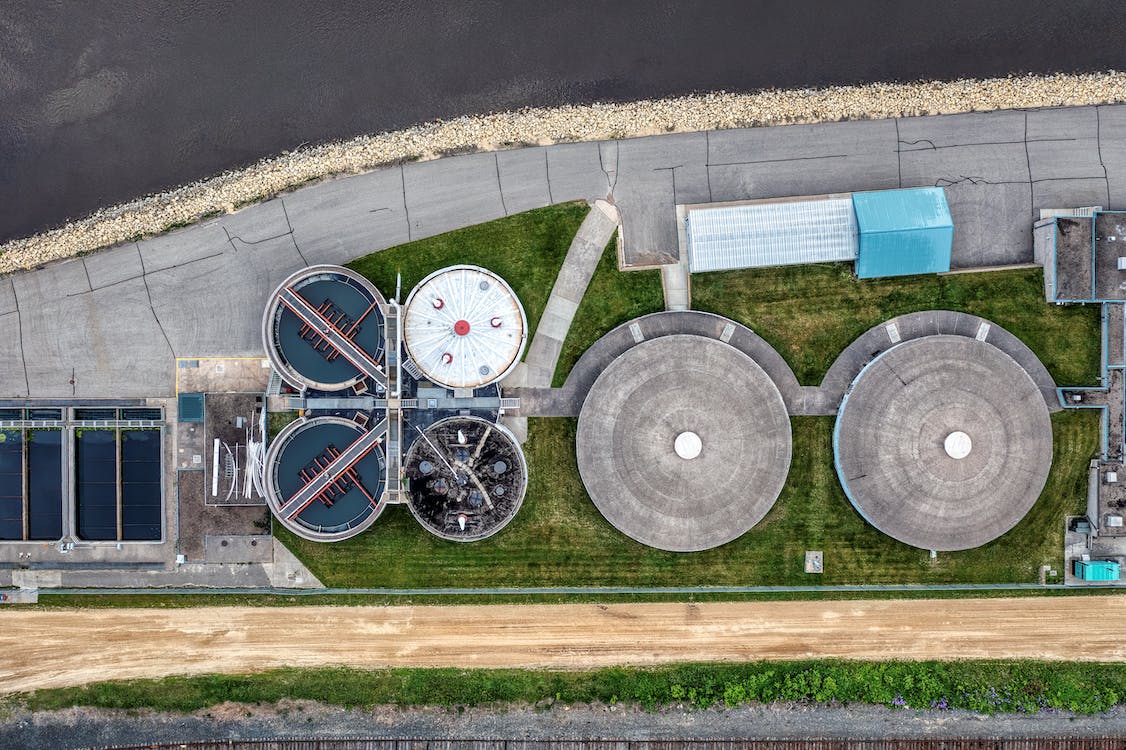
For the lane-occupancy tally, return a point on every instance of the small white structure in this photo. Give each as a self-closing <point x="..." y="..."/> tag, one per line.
<point x="688" y="445"/>
<point x="958" y="445"/>
<point x="464" y="327"/>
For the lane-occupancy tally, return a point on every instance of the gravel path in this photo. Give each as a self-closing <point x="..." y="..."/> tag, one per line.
<point x="713" y="111"/>
<point x="90" y="728"/>
<point x="89" y="645"/>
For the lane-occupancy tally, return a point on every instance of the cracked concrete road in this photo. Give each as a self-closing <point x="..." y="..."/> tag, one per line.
<point x="54" y="648"/>
<point x="109" y="324"/>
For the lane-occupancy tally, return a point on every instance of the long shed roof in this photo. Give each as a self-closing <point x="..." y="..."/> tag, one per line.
<point x="780" y="233"/>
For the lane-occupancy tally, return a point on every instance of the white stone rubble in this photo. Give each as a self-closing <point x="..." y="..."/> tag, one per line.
<point x="534" y="126"/>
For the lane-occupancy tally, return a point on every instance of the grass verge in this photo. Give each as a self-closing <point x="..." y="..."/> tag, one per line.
<point x="560" y="539"/>
<point x="810" y="313"/>
<point x="525" y="249"/>
<point x="191" y="599"/>
<point x="982" y="686"/>
<point x="276" y="421"/>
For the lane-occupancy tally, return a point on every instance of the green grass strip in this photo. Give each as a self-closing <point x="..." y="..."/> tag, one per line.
<point x="811" y="313"/>
<point x="560" y="539"/>
<point x="983" y="686"/>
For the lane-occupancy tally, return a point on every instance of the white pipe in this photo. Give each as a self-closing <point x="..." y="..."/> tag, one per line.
<point x="215" y="471"/>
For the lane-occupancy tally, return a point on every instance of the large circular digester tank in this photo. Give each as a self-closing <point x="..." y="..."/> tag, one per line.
<point x="943" y="442"/>
<point x="683" y="443"/>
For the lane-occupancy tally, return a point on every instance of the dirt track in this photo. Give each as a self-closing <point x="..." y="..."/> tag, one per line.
<point x="51" y="648"/>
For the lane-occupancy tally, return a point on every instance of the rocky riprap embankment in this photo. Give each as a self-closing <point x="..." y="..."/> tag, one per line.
<point x="230" y="190"/>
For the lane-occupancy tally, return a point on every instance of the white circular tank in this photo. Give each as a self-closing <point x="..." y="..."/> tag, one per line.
<point x="464" y="327"/>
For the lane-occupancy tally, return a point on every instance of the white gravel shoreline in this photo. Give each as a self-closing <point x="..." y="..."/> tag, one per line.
<point x="226" y="192"/>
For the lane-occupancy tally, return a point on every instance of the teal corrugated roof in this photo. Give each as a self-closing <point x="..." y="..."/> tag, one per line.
<point x="898" y="210"/>
<point x="1097" y="570"/>
<point x="903" y="232"/>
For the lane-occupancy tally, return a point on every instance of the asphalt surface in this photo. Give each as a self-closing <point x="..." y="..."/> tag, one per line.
<point x="109" y="324"/>
<point x="103" y="102"/>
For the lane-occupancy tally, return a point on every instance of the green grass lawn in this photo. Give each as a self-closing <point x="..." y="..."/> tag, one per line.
<point x="612" y="298"/>
<point x="526" y="250"/>
<point x="810" y="313"/>
<point x="559" y="538"/>
<point x="276" y="421"/>
<point x="170" y="600"/>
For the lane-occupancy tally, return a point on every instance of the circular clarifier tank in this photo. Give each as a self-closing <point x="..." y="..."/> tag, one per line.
<point x="467" y="478"/>
<point x="464" y="327"/>
<point x="323" y="330"/>
<point x="325" y="478"/>
<point x="943" y="442"/>
<point x="683" y="443"/>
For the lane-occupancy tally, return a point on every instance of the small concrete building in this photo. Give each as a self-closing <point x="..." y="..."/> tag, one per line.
<point x="1097" y="570"/>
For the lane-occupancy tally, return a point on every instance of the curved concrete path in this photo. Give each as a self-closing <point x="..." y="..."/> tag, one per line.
<point x="881" y="337"/>
<point x="110" y="324"/>
<point x="568" y="400"/>
<point x="823" y="400"/>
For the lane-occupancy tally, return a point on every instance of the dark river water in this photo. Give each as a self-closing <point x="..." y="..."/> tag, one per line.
<point x="105" y="101"/>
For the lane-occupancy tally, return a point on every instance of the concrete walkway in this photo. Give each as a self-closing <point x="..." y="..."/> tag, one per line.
<point x="883" y="336"/>
<point x="109" y="324"/>
<point x="676" y="283"/>
<point x="568" y="400"/>
<point x="570" y="285"/>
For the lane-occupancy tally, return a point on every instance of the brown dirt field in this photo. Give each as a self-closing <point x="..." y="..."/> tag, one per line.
<point x="69" y="647"/>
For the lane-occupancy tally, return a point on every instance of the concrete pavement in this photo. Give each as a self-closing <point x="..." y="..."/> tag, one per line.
<point x="110" y="323"/>
<point x="570" y="285"/>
